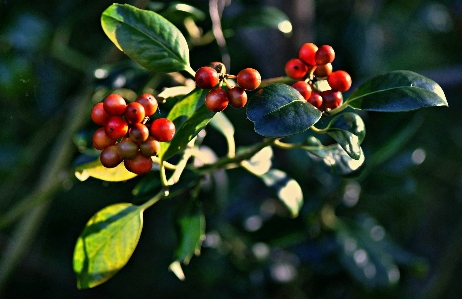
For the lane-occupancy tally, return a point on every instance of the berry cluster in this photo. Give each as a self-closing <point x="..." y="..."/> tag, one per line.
<point x="312" y="66"/>
<point x="124" y="134"/>
<point x="217" y="99"/>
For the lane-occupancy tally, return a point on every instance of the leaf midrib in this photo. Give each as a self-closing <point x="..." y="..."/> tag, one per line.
<point x="349" y="100"/>
<point x="177" y="57"/>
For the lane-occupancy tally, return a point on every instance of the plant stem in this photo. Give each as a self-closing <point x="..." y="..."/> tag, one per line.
<point x="270" y="81"/>
<point x="245" y="155"/>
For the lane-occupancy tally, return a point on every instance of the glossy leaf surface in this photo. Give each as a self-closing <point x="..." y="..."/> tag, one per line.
<point x="338" y="160"/>
<point x="107" y="243"/>
<point x="188" y="130"/>
<point x="279" y="110"/>
<point x="348" y="130"/>
<point x="397" y="91"/>
<point x="146" y="37"/>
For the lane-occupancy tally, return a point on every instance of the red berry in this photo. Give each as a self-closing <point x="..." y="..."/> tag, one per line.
<point x="307" y="52"/>
<point x="296" y="69"/>
<point x="110" y="157"/>
<point x="248" y="79"/>
<point x="207" y="77"/>
<point x="98" y="115"/>
<point x="237" y="97"/>
<point x="139" y="165"/>
<point x="127" y="148"/>
<point x="134" y="113"/>
<point x="149" y="103"/>
<point x="303" y="88"/>
<point x="150" y="147"/>
<point x="339" y="81"/>
<point x="162" y="129"/>
<point x="331" y="99"/>
<point x="315" y="99"/>
<point x="323" y="70"/>
<point x="324" y="55"/>
<point x="116" y="127"/>
<point x="114" y="104"/>
<point x="101" y="140"/>
<point x="216" y="100"/>
<point x="138" y="133"/>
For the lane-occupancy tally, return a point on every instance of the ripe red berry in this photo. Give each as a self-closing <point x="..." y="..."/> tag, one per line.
<point x="114" y="104"/>
<point x="217" y="100"/>
<point x="162" y="129"/>
<point x="296" y="69"/>
<point x="150" y="147"/>
<point x="323" y="70"/>
<point x="315" y="99"/>
<point x="237" y="97"/>
<point x="138" y="132"/>
<point x="110" y="157"/>
<point x="207" y="77"/>
<point x="101" y="140"/>
<point x="339" y="81"/>
<point x="139" y="165"/>
<point x="324" y="55"/>
<point x="98" y="115"/>
<point x="116" y="127"/>
<point x="127" y="148"/>
<point x="134" y="113"/>
<point x="248" y="79"/>
<point x="149" y="103"/>
<point x="307" y="52"/>
<point x="331" y="99"/>
<point x="303" y="88"/>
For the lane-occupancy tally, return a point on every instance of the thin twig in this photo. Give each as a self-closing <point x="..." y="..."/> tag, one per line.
<point x="215" y="16"/>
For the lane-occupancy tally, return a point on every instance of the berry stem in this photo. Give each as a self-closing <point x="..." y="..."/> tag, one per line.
<point x="320" y="131"/>
<point x="284" y="79"/>
<point x="228" y="162"/>
<point x="289" y="146"/>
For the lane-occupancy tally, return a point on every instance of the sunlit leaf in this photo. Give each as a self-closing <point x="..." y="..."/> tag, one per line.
<point x="146" y="37"/>
<point x="97" y="170"/>
<point x="285" y="188"/>
<point x="107" y="243"/>
<point x="397" y="91"/>
<point x="279" y="110"/>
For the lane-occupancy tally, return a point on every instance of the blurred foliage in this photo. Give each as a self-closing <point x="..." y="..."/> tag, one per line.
<point x="392" y="232"/>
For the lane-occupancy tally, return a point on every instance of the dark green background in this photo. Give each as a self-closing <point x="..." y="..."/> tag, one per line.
<point x="48" y="52"/>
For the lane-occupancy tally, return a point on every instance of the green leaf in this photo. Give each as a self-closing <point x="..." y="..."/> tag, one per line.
<point x="107" y="243"/>
<point x="338" y="160"/>
<point x="97" y="170"/>
<point x="285" y="188"/>
<point x="279" y="110"/>
<point x="146" y="37"/>
<point x="264" y="17"/>
<point x="188" y="130"/>
<point x="397" y="91"/>
<point x="190" y="229"/>
<point x="348" y="130"/>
